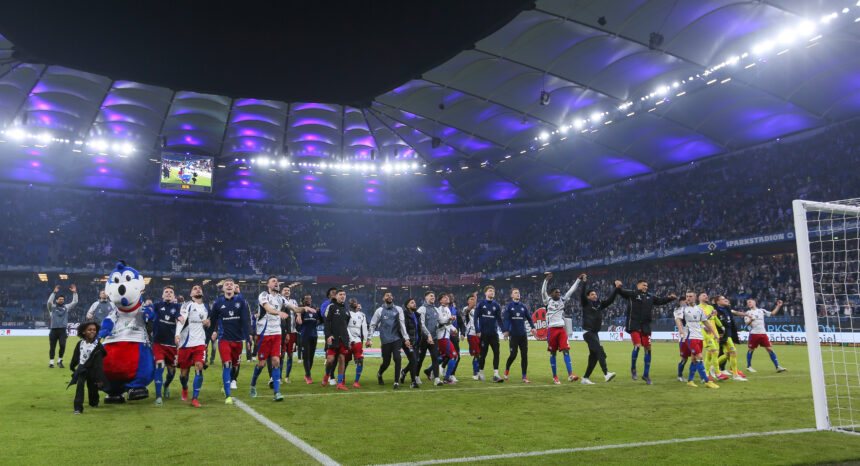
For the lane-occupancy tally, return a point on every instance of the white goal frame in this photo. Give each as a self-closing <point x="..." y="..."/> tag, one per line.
<point x="810" y="308"/>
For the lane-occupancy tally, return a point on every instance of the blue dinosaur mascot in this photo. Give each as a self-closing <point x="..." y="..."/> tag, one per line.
<point x="128" y="365"/>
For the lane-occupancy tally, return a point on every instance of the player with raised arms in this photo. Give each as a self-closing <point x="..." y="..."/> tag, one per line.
<point x="694" y="318"/>
<point x="556" y="338"/>
<point x="592" y="320"/>
<point x="639" y="315"/>
<point x="754" y="316"/>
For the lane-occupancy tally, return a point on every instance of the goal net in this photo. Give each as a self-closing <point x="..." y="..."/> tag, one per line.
<point x="828" y="252"/>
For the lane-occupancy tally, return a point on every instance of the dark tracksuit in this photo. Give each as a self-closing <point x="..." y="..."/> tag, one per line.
<point x="412" y="321"/>
<point x="515" y="317"/>
<point x="639" y="309"/>
<point x="488" y="321"/>
<point x="308" y="332"/>
<point x="592" y="320"/>
<point x="336" y="322"/>
<point x="731" y="330"/>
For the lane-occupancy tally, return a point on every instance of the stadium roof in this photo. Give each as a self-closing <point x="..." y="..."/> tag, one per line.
<point x="614" y="76"/>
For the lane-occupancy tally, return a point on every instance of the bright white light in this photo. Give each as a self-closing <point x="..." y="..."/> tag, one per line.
<point x="830" y="17"/>
<point x="386" y="168"/>
<point x="785" y="37"/>
<point x="563" y="129"/>
<point x="263" y="161"/>
<point x="127" y="148"/>
<point x="762" y="47"/>
<point x="544" y="135"/>
<point x="595" y="117"/>
<point x="578" y="124"/>
<point x="676" y="84"/>
<point x="660" y="90"/>
<point x="16" y="134"/>
<point x="845" y="10"/>
<point x="733" y="60"/>
<point x="99" y="145"/>
<point x="347" y="166"/>
<point x="415" y="165"/>
<point x="44" y="137"/>
<point x="252" y="161"/>
<point x="283" y="163"/>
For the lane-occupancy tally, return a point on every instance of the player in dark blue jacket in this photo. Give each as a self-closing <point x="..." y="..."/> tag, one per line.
<point x="488" y="322"/>
<point x="515" y="317"/>
<point x="307" y="322"/>
<point x="231" y="317"/>
<point x="164" y="341"/>
<point x="329" y="298"/>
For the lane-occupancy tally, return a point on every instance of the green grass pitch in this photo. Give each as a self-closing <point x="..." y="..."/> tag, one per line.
<point x="202" y="178"/>
<point x="377" y="425"/>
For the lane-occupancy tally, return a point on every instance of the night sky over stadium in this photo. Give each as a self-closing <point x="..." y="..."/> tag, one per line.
<point x="346" y="52"/>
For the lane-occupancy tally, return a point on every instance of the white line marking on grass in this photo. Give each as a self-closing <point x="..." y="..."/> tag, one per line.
<point x="494" y="387"/>
<point x="304" y="446"/>
<point x="601" y="447"/>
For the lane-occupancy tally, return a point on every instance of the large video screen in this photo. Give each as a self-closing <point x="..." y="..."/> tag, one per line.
<point x="185" y="172"/>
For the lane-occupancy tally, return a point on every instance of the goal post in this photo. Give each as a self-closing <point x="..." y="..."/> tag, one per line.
<point x="828" y="254"/>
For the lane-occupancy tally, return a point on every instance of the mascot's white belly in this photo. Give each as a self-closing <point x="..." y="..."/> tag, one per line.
<point x="128" y="326"/>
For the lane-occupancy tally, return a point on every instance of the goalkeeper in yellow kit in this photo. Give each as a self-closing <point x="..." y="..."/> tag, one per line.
<point x="711" y="349"/>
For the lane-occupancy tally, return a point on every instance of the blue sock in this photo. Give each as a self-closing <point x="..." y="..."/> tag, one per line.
<point x="198" y="382"/>
<point x="633" y="357"/>
<point x="451" y="365"/>
<point x="289" y="367"/>
<point x="749" y="358"/>
<point x="773" y="358"/>
<point x="257" y="370"/>
<point x="276" y="379"/>
<point x="340" y="378"/>
<point x="647" y="362"/>
<point x="475" y="366"/>
<point x="524" y="375"/>
<point x="184" y="382"/>
<point x="159" y="377"/>
<point x="170" y="376"/>
<point x="358" y="368"/>
<point x="225" y="376"/>
<point x="701" y="367"/>
<point x="681" y="368"/>
<point x="693" y="368"/>
<point x="552" y="364"/>
<point x="567" y="363"/>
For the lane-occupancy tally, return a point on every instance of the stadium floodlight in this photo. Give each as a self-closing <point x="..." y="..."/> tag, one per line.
<point x="563" y="129"/>
<point x="386" y="168"/>
<point x="127" y="148"/>
<point x="415" y="165"/>
<point x="828" y="241"/>
<point x="283" y="163"/>
<point x="827" y="18"/>
<point x="786" y="37"/>
<point x="596" y="117"/>
<point x="578" y="124"/>
<point x="16" y="134"/>
<point x="44" y="138"/>
<point x="544" y="135"/>
<point x="99" y="145"/>
<point x="806" y="28"/>
<point x="762" y="47"/>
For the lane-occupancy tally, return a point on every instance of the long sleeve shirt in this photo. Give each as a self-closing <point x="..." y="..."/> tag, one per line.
<point x="592" y="311"/>
<point x="445" y="324"/>
<point x="165" y="323"/>
<point x="231" y="318"/>
<point x="555" y="307"/>
<point x="99" y="310"/>
<point x="357" y="327"/>
<point x="516" y="316"/>
<point x="60" y="314"/>
<point x="639" y="309"/>
<point x="336" y="324"/>
<point x="488" y="317"/>
<point x="189" y="324"/>
<point x="390" y="322"/>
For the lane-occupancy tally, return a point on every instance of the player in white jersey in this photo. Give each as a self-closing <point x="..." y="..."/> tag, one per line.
<point x="471" y="335"/>
<point x="556" y="336"/>
<point x="269" y="317"/>
<point x="688" y="301"/>
<point x="191" y="341"/>
<point x="358" y="333"/>
<point x="694" y="319"/>
<point x="754" y="317"/>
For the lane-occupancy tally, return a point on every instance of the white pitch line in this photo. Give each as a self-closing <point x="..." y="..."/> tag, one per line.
<point x="301" y="444"/>
<point x="494" y="387"/>
<point x="600" y="447"/>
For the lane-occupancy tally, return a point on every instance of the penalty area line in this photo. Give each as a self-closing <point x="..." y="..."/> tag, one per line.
<point x="601" y="447"/>
<point x="301" y="444"/>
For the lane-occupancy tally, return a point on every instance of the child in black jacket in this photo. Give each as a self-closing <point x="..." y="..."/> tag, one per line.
<point x="86" y="366"/>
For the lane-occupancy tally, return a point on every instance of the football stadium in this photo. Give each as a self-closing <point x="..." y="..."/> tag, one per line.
<point x="555" y="232"/>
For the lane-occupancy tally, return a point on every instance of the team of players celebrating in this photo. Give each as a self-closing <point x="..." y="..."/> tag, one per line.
<point x="183" y="329"/>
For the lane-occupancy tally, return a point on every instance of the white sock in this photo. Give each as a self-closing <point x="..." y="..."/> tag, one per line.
<point x="52" y="361"/>
<point x="60" y="360"/>
<point x="496" y="372"/>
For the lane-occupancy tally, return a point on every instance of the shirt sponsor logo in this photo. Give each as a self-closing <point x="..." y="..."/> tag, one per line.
<point x="541" y="329"/>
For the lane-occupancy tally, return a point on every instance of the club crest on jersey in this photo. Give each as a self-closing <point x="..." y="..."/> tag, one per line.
<point x="236" y="305"/>
<point x="231" y="313"/>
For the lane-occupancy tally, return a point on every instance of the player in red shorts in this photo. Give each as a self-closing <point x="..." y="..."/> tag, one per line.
<point x="444" y="333"/>
<point x="357" y="334"/>
<point x="269" y="317"/>
<point x="557" y="337"/>
<point x="164" y="341"/>
<point x="690" y="297"/>
<point x="758" y="334"/>
<point x="336" y="321"/>
<point x="471" y="337"/>
<point x="694" y="318"/>
<point x="191" y="341"/>
<point x="231" y="318"/>
<point x="288" y="332"/>
<point x="639" y="309"/>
